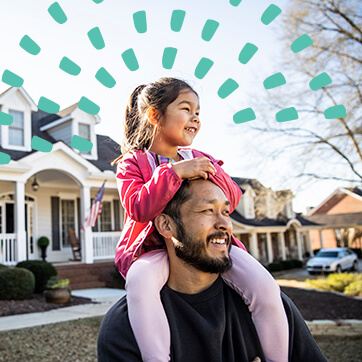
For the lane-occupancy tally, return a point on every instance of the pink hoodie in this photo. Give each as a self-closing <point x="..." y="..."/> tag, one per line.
<point x="144" y="195"/>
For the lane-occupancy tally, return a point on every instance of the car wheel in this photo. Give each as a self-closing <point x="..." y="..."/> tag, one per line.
<point x="338" y="269"/>
<point x="355" y="266"/>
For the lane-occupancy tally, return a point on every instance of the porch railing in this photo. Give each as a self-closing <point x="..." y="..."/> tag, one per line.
<point x="8" y="249"/>
<point x="104" y="244"/>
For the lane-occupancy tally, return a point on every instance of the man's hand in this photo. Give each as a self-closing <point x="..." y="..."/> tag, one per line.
<point x="198" y="167"/>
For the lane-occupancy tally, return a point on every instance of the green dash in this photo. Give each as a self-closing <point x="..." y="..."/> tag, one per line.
<point x="247" y="53"/>
<point x="81" y="144"/>
<point x="270" y="14"/>
<point x="97" y="1"/>
<point x="320" y="81"/>
<point x="4" y="158"/>
<point x="69" y="66"/>
<point x="338" y="111"/>
<point x="209" y="29"/>
<point x="47" y="105"/>
<point x="235" y="2"/>
<point x="6" y="119"/>
<point x="96" y="38"/>
<point x="57" y="13"/>
<point x="140" y="22"/>
<point x="41" y="145"/>
<point x="29" y="45"/>
<point x="301" y="43"/>
<point x="274" y="81"/>
<point x="168" y="58"/>
<point x="12" y="79"/>
<point x="177" y="19"/>
<point x="245" y="115"/>
<point x="88" y="106"/>
<point x="227" y="88"/>
<point x="105" y="78"/>
<point x="129" y="58"/>
<point x="203" y="67"/>
<point x="287" y="114"/>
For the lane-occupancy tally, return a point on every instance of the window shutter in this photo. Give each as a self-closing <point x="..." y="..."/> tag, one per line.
<point x="117" y="215"/>
<point x="55" y="223"/>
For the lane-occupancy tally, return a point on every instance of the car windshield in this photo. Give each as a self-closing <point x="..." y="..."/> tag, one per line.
<point x="327" y="254"/>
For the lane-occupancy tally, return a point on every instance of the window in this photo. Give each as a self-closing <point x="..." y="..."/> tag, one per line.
<point x="16" y="129"/>
<point x="84" y="131"/>
<point x="68" y="217"/>
<point x="105" y="218"/>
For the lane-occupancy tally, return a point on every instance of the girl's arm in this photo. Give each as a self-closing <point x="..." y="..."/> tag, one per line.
<point x="142" y="200"/>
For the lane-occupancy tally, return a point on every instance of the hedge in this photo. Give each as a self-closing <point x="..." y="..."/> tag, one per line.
<point x="16" y="283"/>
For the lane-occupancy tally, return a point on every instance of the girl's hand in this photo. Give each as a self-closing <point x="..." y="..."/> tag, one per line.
<point x="198" y="167"/>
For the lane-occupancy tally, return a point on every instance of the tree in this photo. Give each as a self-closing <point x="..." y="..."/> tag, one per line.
<point x="320" y="148"/>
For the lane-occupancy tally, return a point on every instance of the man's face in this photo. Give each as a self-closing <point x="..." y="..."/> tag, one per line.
<point x="205" y="229"/>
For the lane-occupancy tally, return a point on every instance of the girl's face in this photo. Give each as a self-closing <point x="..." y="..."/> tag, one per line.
<point x="180" y="123"/>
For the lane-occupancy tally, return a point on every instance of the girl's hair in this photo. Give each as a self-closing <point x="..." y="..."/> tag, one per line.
<point x="138" y="131"/>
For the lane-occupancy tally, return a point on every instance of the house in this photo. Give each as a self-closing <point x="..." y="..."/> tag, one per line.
<point x="340" y="217"/>
<point x="49" y="193"/>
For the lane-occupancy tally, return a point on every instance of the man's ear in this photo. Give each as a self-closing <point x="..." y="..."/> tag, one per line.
<point x="164" y="225"/>
<point x="153" y="115"/>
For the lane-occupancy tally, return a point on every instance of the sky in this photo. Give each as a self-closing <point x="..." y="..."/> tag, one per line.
<point x="238" y="25"/>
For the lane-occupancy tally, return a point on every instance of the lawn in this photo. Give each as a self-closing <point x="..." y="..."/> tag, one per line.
<point x="76" y="341"/>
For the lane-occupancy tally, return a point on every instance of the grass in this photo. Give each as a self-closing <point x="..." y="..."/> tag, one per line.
<point x="77" y="341"/>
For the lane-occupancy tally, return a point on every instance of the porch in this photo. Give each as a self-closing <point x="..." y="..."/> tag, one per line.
<point x="96" y="246"/>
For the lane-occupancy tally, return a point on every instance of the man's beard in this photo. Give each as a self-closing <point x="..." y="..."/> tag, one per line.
<point x="193" y="252"/>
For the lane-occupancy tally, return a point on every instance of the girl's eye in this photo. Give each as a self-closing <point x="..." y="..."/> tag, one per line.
<point x="186" y="109"/>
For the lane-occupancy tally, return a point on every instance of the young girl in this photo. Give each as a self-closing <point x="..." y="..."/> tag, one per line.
<point x="161" y="117"/>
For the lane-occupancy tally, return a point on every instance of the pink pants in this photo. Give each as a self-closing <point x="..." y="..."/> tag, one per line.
<point x="149" y="273"/>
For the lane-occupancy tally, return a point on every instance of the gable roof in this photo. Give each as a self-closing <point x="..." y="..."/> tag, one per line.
<point x="337" y="220"/>
<point x="255" y="184"/>
<point x="337" y="196"/>
<point x="235" y="215"/>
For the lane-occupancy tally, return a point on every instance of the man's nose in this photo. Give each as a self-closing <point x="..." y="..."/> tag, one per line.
<point x="223" y="223"/>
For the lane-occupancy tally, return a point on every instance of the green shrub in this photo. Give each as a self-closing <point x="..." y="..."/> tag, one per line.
<point x="287" y="264"/>
<point x="355" y="288"/>
<point x="41" y="270"/>
<point x="336" y="282"/>
<point x="43" y="241"/>
<point x="16" y="283"/>
<point x="358" y="251"/>
<point x="2" y="266"/>
<point x="297" y="263"/>
<point x="273" y="267"/>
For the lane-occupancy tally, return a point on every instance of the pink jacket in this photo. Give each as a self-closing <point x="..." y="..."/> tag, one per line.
<point x="144" y="195"/>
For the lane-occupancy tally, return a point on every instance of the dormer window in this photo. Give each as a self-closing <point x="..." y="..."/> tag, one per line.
<point x="16" y="129"/>
<point x="84" y="131"/>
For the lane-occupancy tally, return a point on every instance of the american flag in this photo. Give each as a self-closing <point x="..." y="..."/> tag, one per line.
<point x="95" y="210"/>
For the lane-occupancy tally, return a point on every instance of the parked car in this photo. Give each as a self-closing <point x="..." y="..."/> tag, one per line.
<point x="333" y="260"/>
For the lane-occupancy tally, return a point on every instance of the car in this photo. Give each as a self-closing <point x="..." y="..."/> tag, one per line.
<point x="332" y="260"/>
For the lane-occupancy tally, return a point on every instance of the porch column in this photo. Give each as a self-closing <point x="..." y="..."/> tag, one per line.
<point x="20" y="221"/>
<point x="299" y="245"/>
<point x="309" y="241"/>
<point x="282" y="242"/>
<point x="270" y="247"/>
<point x="321" y="238"/>
<point x="254" y="245"/>
<point x="87" y="241"/>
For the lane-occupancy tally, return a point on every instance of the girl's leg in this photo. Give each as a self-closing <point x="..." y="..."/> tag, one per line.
<point x="261" y="293"/>
<point x="145" y="278"/>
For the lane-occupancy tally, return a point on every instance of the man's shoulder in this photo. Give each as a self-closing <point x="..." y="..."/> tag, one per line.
<point x="116" y="331"/>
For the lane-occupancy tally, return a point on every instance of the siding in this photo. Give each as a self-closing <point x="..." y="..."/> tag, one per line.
<point x="62" y="132"/>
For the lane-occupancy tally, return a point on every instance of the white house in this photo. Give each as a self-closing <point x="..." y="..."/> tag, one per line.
<point x="48" y="193"/>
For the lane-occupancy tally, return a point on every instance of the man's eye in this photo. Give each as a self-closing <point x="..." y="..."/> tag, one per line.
<point x="208" y="210"/>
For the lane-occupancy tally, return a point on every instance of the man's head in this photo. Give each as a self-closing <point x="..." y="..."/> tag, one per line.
<point x="198" y="223"/>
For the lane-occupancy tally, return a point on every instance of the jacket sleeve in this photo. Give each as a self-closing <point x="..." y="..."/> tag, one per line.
<point x="230" y="188"/>
<point x="144" y="200"/>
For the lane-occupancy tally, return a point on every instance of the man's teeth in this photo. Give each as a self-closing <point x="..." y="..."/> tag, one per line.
<point x="218" y="241"/>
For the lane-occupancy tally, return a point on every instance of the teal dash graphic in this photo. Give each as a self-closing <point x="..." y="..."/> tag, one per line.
<point x="105" y="78"/>
<point x="203" y="67"/>
<point x="140" y="21"/>
<point x="338" y="111"/>
<point x="177" y="20"/>
<point x="270" y="14"/>
<point x="168" y="58"/>
<point x="57" y="13"/>
<point x="29" y="45"/>
<point x="47" y="105"/>
<point x="287" y="114"/>
<point x="41" y="145"/>
<point x="4" y="158"/>
<point x="86" y="105"/>
<point x="69" y="66"/>
<point x="247" y="53"/>
<point x="12" y="79"/>
<point x="209" y="29"/>
<point x="301" y="43"/>
<point x="6" y="119"/>
<point x="95" y="36"/>
<point x="320" y="81"/>
<point x="129" y="58"/>
<point x="229" y="86"/>
<point x="245" y="115"/>
<point x="81" y="144"/>
<point x="274" y="81"/>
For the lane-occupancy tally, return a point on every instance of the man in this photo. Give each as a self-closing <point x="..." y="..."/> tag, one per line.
<point x="208" y="320"/>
